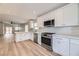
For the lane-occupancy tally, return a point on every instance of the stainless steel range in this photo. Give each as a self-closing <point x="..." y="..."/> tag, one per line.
<point x="46" y="40"/>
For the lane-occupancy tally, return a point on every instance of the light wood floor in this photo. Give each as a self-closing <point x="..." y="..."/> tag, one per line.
<point x="23" y="48"/>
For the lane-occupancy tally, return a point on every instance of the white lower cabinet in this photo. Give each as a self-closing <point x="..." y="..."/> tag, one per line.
<point x="74" y="47"/>
<point x="61" y="45"/>
<point x="65" y="46"/>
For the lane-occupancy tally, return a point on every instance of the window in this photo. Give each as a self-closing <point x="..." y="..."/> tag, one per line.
<point x="26" y="28"/>
<point x="31" y="24"/>
<point x="36" y="26"/>
<point x="18" y="28"/>
<point x="8" y="30"/>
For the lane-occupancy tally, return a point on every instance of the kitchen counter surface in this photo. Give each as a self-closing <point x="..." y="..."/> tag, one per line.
<point x="71" y="35"/>
<point x="20" y="32"/>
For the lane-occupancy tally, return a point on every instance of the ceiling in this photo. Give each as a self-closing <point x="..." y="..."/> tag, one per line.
<point x="22" y="12"/>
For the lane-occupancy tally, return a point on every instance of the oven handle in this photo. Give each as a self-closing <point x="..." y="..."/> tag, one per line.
<point x="47" y="37"/>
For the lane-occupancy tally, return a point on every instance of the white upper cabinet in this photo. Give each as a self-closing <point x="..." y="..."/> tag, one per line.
<point x="70" y="14"/>
<point x="59" y="17"/>
<point x="52" y="15"/>
<point x="48" y="16"/>
<point x="40" y="21"/>
<point x="67" y="15"/>
<point x="64" y="16"/>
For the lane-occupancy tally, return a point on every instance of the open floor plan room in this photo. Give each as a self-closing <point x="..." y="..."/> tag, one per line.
<point x="39" y="29"/>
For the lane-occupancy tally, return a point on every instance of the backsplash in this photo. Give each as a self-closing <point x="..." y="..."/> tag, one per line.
<point x="63" y="30"/>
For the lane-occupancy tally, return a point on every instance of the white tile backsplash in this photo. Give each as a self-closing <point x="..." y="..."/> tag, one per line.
<point x="63" y="30"/>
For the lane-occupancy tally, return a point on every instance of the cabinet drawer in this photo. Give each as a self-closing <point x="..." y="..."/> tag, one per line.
<point x="74" y="41"/>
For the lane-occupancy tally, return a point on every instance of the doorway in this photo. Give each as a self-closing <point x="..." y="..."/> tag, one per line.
<point x="8" y="30"/>
<point x="8" y="36"/>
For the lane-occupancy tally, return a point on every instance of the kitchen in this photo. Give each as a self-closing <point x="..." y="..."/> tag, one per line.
<point x="66" y="29"/>
<point x="56" y="30"/>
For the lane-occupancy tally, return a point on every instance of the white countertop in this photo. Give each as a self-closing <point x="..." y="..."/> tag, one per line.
<point x="70" y="35"/>
<point x="20" y="32"/>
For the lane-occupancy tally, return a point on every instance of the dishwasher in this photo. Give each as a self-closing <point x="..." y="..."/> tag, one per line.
<point x="36" y="38"/>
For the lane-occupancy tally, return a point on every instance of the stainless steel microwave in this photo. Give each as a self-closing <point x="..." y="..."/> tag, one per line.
<point x="49" y="23"/>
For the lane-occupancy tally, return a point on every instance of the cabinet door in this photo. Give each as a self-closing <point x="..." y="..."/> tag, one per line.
<point x="70" y="14"/>
<point x="40" y="22"/>
<point x="59" y="17"/>
<point x="56" y="45"/>
<point x="64" y="46"/>
<point x="47" y="17"/>
<point x="52" y="15"/>
<point x="61" y="46"/>
<point x="74" y="47"/>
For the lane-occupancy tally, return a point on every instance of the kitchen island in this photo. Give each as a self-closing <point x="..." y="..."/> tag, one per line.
<point x="21" y="36"/>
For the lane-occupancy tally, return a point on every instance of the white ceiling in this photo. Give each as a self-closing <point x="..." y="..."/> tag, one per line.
<point x="22" y="12"/>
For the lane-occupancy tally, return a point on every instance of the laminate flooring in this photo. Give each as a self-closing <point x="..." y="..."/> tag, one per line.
<point x="8" y="47"/>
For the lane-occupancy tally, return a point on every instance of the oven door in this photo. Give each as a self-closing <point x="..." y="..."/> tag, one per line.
<point x="46" y="40"/>
<point x="46" y="43"/>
